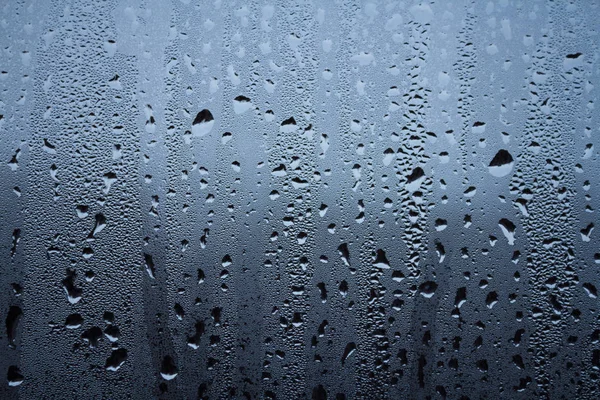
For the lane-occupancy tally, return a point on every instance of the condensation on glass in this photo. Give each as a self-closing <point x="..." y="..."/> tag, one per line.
<point x="296" y="199"/>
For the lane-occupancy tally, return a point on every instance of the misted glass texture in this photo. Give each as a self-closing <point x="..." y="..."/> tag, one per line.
<point x="299" y="199"/>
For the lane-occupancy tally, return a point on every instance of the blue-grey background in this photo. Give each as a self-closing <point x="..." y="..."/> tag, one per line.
<point x="299" y="199"/>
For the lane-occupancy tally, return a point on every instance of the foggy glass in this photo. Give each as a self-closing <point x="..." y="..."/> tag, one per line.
<point x="294" y="199"/>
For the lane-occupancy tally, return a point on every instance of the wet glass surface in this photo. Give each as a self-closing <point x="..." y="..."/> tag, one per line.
<point x="299" y="199"/>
